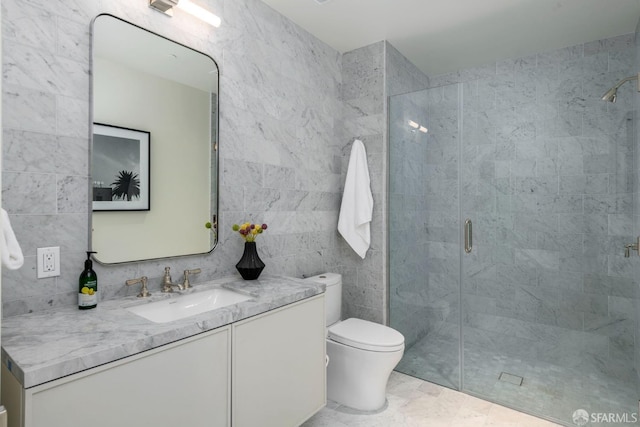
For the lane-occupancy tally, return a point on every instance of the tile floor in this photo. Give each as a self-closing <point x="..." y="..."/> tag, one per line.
<point x="416" y="403"/>
<point x="582" y="382"/>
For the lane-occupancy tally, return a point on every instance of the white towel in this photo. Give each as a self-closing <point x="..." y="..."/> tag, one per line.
<point x="9" y="247"/>
<point x="354" y="222"/>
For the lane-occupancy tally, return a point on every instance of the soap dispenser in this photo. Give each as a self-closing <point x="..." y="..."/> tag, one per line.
<point x="88" y="286"/>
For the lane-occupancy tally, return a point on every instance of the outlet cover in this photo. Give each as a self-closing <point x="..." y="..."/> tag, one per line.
<point x="48" y="262"/>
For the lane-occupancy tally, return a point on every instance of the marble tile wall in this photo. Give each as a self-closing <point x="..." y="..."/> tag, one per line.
<point x="281" y="157"/>
<point x="370" y="75"/>
<point x="547" y="177"/>
<point x="363" y="95"/>
<point x="401" y="76"/>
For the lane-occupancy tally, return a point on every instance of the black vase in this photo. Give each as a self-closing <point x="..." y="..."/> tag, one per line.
<point x="250" y="265"/>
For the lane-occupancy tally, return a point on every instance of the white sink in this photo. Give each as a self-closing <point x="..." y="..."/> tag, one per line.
<point x="188" y="305"/>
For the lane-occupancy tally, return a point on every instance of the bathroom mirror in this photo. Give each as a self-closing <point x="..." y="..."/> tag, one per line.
<point x="154" y="162"/>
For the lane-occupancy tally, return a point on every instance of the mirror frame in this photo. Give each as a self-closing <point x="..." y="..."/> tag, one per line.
<point x="213" y="143"/>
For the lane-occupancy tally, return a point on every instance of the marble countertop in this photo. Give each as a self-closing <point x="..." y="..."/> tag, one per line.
<point x="44" y="346"/>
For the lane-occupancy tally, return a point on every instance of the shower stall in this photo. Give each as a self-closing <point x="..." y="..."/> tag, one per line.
<point x="508" y="221"/>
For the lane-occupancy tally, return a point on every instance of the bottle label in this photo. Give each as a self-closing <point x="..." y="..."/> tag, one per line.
<point x="88" y="295"/>
<point x="85" y="300"/>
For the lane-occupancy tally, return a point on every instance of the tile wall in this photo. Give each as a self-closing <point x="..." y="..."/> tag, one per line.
<point x="547" y="174"/>
<point x="370" y="75"/>
<point x="281" y="153"/>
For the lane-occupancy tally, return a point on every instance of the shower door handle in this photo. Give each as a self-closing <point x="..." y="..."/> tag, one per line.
<point x="468" y="236"/>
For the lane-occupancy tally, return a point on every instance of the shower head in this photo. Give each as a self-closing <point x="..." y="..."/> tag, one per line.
<point x="612" y="94"/>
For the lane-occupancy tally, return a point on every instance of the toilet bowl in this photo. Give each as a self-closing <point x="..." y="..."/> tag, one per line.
<point x="362" y="354"/>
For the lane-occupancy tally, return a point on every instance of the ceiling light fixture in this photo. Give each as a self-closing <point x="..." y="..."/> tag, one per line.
<point x="413" y="124"/>
<point x="166" y="7"/>
<point x="423" y="129"/>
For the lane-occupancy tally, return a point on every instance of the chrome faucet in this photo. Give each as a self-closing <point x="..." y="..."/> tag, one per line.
<point x="144" y="292"/>
<point x="167" y="285"/>
<point x="185" y="282"/>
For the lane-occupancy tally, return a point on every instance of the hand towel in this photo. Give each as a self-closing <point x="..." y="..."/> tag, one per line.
<point x="354" y="222"/>
<point x="9" y="248"/>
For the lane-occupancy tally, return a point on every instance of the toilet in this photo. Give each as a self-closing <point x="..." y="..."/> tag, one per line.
<point x="361" y="354"/>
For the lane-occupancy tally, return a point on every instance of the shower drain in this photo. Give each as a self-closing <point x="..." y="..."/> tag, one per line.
<point x="510" y="378"/>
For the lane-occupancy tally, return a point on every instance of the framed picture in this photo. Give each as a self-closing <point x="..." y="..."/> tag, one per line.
<point x="120" y="169"/>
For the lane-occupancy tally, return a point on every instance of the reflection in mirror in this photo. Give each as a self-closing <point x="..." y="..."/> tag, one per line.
<point x="146" y="86"/>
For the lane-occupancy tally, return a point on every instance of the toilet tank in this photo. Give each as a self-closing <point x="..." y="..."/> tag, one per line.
<point x="333" y="295"/>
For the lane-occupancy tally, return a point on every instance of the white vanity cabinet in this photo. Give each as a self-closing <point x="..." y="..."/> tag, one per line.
<point x="278" y="362"/>
<point x="266" y="370"/>
<point x="185" y="383"/>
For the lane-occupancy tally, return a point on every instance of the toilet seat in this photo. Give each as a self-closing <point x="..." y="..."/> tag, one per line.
<point x="366" y="335"/>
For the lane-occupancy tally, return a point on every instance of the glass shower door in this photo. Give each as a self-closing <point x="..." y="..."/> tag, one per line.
<point x="424" y="231"/>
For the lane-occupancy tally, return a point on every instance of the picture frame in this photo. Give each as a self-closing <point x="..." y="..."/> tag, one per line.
<point x="120" y="168"/>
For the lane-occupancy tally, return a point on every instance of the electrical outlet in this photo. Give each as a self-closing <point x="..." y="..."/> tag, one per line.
<point x="48" y="262"/>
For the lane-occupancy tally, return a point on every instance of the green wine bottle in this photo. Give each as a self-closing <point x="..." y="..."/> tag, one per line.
<point x="88" y="286"/>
